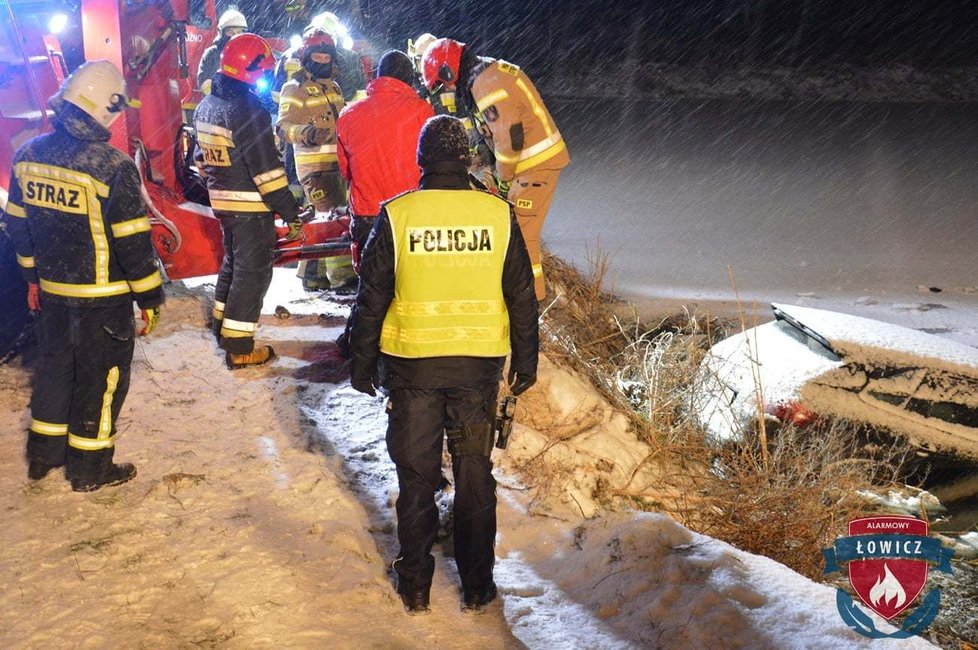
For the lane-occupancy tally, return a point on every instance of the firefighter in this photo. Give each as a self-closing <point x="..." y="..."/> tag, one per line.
<point x="309" y="106"/>
<point x="82" y="237"/>
<point x="231" y="23"/>
<point x="349" y="68"/>
<point x="247" y="186"/>
<point x="513" y="120"/>
<point x="446" y="293"/>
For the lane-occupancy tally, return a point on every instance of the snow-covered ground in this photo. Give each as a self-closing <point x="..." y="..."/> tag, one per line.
<point x="262" y="518"/>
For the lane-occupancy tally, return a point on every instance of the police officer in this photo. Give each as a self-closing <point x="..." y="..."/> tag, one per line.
<point x="443" y="319"/>
<point x="309" y="106"/>
<point x="231" y="23"/>
<point x="247" y="186"/>
<point x="81" y="232"/>
<point x="528" y="149"/>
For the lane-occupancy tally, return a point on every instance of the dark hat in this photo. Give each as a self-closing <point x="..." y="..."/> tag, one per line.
<point x="396" y="64"/>
<point x="443" y="139"/>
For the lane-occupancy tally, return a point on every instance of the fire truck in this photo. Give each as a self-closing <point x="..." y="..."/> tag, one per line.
<point x="158" y="45"/>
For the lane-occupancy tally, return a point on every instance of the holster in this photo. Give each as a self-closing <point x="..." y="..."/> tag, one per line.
<point x="471" y="441"/>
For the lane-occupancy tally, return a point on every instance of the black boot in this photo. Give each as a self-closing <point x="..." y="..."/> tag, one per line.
<point x="112" y="475"/>
<point x="415" y="601"/>
<point x="37" y="471"/>
<point x="476" y="600"/>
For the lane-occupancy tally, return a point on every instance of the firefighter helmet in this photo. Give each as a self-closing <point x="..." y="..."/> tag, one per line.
<point x="316" y="37"/>
<point x="417" y="47"/>
<point x="327" y="22"/>
<point x="232" y="18"/>
<point x="246" y="58"/>
<point x="441" y="63"/>
<point x="98" y="88"/>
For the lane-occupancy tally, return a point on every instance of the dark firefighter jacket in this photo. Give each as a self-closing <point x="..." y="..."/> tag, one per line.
<point x="210" y="62"/>
<point x="236" y="153"/>
<point x="78" y="220"/>
<point x="377" y="269"/>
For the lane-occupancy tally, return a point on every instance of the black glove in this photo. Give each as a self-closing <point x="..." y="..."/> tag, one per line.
<point x="312" y="135"/>
<point x="365" y="386"/>
<point x="519" y="382"/>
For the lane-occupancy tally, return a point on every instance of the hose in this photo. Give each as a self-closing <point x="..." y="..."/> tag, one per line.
<point x="156" y="216"/>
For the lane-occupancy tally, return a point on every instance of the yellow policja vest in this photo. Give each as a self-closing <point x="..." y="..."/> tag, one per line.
<point x="449" y="249"/>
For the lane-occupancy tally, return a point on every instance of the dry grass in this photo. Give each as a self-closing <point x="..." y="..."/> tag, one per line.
<point x="785" y="494"/>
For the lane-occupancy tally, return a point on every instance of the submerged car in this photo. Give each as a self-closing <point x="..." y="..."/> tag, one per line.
<point x="810" y="363"/>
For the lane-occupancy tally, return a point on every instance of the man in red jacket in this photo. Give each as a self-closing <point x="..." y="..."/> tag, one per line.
<point x="377" y="143"/>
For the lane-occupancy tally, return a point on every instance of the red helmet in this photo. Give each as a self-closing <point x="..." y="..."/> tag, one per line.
<point x="441" y="62"/>
<point x="247" y="57"/>
<point x="316" y="37"/>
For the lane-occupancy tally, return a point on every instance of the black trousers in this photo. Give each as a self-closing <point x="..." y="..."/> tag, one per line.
<point x="416" y="430"/>
<point x="245" y="274"/>
<point x="80" y="385"/>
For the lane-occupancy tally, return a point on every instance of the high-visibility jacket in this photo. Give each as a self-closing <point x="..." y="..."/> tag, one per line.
<point x="236" y="152"/>
<point x="448" y="289"/>
<point x="305" y="102"/>
<point x="77" y="218"/>
<point x="515" y="121"/>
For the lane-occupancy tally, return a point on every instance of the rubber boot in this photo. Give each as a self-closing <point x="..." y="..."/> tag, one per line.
<point x="37" y="471"/>
<point x="260" y="355"/>
<point x="475" y="601"/>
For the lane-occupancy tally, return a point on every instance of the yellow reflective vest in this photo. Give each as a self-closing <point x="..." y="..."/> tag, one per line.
<point x="449" y="250"/>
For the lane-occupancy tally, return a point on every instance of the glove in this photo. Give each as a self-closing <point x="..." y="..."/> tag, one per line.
<point x="33" y="296"/>
<point x="503" y="187"/>
<point x="312" y="135"/>
<point x="295" y="230"/>
<point x="519" y="383"/>
<point x="150" y="318"/>
<point x="365" y="386"/>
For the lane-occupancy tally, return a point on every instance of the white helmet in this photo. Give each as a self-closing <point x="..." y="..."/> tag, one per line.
<point x="231" y="18"/>
<point x="329" y="23"/>
<point x="98" y="88"/>
<point x="417" y="47"/>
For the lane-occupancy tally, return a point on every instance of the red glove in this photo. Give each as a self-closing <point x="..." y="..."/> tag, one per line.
<point x="33" y="296"/>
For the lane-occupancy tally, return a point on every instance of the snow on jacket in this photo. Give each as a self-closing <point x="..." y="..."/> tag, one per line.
<point x="236" y="151"/>
<point x="305" y="102"/>
<point x="377" y="139"/>
<point x="377" y="269"/>
<point x="514" y="120"/>
<point x="77" y="218"/>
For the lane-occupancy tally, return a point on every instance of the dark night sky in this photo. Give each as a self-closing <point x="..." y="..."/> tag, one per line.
<point x="923" y="33"/>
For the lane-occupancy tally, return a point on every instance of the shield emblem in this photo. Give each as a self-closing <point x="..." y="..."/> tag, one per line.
<point x="887" y="585"/>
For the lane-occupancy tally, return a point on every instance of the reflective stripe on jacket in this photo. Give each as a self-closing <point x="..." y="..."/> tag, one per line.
<point x="77" y="218"/>
<point x="518" y="126"/>
<point x="236" y="150"/>
<point x="306" y="102"/>
<point x="449" y="251"/>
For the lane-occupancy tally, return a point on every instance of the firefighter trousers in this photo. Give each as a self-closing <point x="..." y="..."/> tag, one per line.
<point x="532" y="192"/>
<point x="245" y="274"/>
<point x="82" y="378"/>
<point x="418" y="419"/>
<point x="326" y="190"/>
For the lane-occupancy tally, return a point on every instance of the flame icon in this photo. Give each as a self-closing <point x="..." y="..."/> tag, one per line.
<point x="887" y="588"/>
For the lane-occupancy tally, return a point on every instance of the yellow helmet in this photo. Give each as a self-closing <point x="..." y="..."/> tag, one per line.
<point x="98" y="88"/>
